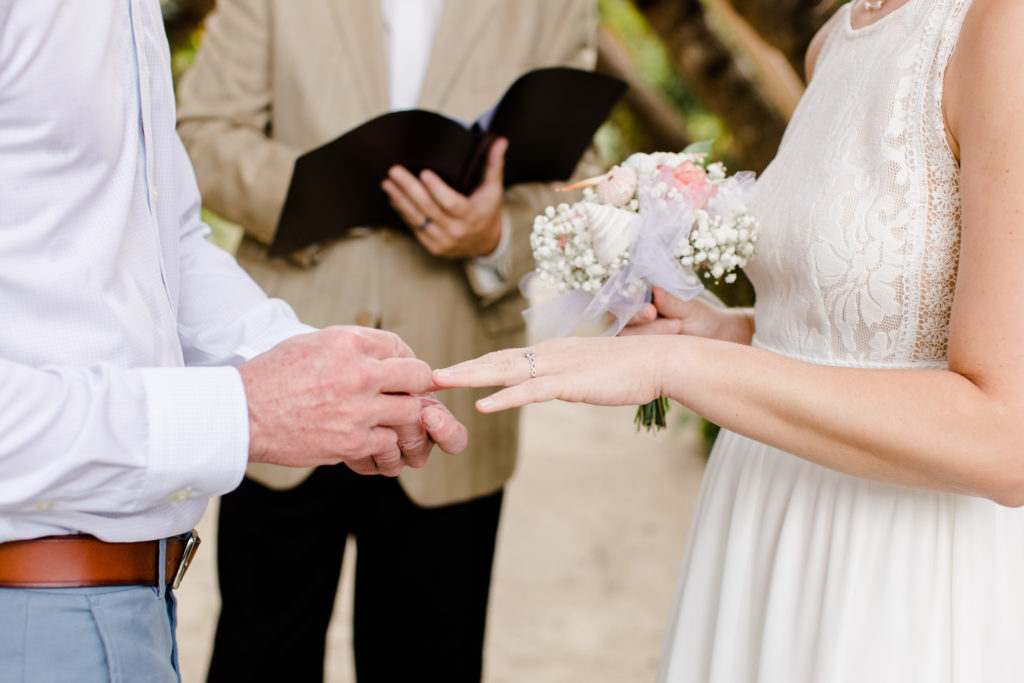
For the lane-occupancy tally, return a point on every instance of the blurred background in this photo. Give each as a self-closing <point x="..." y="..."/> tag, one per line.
<point x="730" y="71"/>
<point x="583" y="580"/>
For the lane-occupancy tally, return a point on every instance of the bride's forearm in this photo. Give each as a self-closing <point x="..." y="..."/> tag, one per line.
<point x="931" y="429"/>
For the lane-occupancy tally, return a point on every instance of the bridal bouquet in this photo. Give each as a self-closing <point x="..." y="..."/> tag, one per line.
<point x="669" y="220"/>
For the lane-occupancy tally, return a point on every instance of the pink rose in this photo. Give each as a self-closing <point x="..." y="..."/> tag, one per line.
<point x="689" y="179"/>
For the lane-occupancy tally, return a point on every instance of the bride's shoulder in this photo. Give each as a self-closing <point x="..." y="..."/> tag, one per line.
<point x="991" y="28"/>
<point x="983" y="66"/>
<point x="814" y="48"/>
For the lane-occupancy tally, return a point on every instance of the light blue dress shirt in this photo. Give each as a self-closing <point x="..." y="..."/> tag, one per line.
<point x="109" y="288"/>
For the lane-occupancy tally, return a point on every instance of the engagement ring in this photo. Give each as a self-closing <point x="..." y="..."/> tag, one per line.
<point x="424" y="224"/>
<point x="533" y="363"/>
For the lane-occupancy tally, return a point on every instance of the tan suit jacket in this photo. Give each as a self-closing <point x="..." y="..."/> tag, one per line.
<point x="275" y="78"/>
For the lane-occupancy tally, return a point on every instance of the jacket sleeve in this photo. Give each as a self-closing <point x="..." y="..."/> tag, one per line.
<point x="568" y="38"/>
<point x="224" y="113"/>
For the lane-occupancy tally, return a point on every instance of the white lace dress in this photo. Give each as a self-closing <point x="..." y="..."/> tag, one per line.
<point x="795" y="573"/>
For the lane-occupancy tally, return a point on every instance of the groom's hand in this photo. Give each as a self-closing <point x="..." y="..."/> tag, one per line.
<point x="344" y="394"/>
<point x="436" y="426"/>
<point x="447" y="223"/>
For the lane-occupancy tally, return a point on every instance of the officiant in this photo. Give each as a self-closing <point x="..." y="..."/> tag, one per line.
<point x="272" y="80"/>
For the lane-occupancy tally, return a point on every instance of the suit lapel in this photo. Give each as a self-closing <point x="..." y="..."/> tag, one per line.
<point x="361" y="32"/>
<point x="462" y="23"/>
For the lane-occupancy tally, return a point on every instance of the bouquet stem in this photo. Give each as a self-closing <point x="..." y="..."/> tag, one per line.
<point x="652" y="415"/>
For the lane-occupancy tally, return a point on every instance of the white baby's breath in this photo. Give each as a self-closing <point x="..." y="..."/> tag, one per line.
<point x="575" y="250"/>
<point x="617" y="231"/>
<point x="719" y="245"/>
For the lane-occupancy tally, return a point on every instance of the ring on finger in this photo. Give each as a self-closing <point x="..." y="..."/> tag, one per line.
<point x="425" y="224"/>
<point x="528" y="353"/>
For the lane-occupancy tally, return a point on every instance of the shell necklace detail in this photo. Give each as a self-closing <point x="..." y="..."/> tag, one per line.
<point x="874" y="5"/>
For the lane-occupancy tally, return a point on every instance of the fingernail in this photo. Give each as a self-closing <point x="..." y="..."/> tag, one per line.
<point x="442" y="373"/>
<point x="485" y="402"/>
<point x="432" y="420"/>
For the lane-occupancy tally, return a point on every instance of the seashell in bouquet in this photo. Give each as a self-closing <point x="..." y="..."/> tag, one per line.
<point x="662" y="219"/>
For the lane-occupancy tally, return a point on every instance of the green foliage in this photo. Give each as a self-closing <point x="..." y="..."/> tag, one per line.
<point x="648" y="52"/>
<point x="183" y="54"/>
<point x="224" y="233"/>
<point x="622" y="135"/>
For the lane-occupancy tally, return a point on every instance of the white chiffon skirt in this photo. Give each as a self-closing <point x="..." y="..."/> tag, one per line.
<point x="794" y="573"/>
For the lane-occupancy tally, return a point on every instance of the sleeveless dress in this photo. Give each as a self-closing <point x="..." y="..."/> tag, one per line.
<point x="794" y="573"/>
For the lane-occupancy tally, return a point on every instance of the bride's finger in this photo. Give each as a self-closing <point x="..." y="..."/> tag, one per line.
<point x="536" y="391"/>
<point x="498" y="368"/>
<point x="673" y="307"/>
<point x="647" y="313"/>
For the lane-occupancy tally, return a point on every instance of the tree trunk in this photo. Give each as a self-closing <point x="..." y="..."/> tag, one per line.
<point x="709" y="66"/>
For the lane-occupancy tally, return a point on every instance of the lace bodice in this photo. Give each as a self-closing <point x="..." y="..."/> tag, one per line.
<point x="858" y="253"/>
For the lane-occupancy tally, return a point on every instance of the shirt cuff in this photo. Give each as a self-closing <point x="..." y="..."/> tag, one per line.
<point x="489" y="273"/>
<point x="198" y="432"/>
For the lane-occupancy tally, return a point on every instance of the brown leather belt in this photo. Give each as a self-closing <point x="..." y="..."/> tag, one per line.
<point x="80" y="561"/>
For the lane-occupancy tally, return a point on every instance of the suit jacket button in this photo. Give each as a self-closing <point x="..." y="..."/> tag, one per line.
<point x="364" y="319"/>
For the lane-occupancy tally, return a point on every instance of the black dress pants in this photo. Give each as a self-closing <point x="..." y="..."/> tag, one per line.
<point x="422" y="580"/>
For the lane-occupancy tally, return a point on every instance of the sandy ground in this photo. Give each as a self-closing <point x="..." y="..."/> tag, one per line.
<point x="592" y="532"/>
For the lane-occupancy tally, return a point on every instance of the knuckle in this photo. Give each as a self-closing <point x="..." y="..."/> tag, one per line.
<point x="359" y="378"/>
<point x="387" y="459"/>
<point x="358" y="442"/>
<point x="343" y="340"/>
<point x="413" y="443"/>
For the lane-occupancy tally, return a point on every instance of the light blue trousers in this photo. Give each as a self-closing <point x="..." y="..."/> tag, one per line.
<point x="88" y="635"/>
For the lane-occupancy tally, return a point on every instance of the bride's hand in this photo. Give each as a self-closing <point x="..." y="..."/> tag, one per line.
<point x="597" y="370"/>
<point x="697" y="317"/>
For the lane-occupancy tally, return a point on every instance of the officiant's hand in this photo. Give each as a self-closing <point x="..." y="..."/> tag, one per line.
<point x="345" y="394"/>
<point x="698" y="317"/>
<point x="448" y="223"/>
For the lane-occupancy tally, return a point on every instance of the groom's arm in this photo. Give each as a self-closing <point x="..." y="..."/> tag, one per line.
<point x="351" y="395"/>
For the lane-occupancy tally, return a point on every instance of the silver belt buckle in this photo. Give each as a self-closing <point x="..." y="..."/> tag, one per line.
<point x="191" y="545"/>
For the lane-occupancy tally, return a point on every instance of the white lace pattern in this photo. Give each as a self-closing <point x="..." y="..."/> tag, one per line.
<point x="858" y="256"/>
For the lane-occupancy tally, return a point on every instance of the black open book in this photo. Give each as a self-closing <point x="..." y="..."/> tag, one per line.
<point x="549" y="117"/>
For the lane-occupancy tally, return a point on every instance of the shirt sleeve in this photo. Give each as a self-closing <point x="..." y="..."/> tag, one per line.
<point x="117" y="440"/>
<point x="224" y="318"/>
<point x="488" y="274"/>
<point x="126" y="440"/>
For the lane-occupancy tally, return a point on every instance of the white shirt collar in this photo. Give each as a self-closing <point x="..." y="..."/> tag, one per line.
<point x="409" y="30"/>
